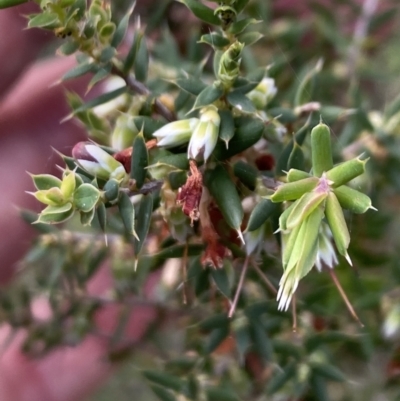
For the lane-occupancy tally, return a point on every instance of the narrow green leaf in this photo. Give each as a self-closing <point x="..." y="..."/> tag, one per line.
<point x="80" y="70"/>
<point x="328" y="371"/>
<point x="162" y="394"/>
<point x="227" y="126"/>
<point x="202" y="12"/>
<point x="248" y="131"/>
<point x="305" y="88"/>
<point x="215" y="40"/>
<point x="122" y="27"/>
<point x="241" y="102"/>
<point x="101" y="99"/>
<point x="127" y="212"/>
<point x="221" y="280"/>
<point x="246" y="173"/>
<point x="191" y="85"/>
<point x="139" y="161"/>
<point x="101" y="74"/>
<point x="102" y="216"/>
<point x="281" y="378"/>
<point x="220" y="394"/>
<point x="352" y="200"/>
<point x="68" y="48"/>
<point x="260" y="214"/>
<point x="248" y="83"/>
<point x="224" y="191"/>
<point x="163" y="379"/>
<point x="296" y="158"/>
<point x="296" y="175"/>
<point x="239" y="26"/>
<point x="143" y="221"/>
<point x="141" y="65"/>
<point x="11" y="3"/>
<point x="216" y="337"/>
<point x="131" y="56"/>
<point x="249" y="38"/>
<point x="207" y="96"/>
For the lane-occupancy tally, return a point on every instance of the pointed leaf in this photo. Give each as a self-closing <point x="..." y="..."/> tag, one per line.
<point x="139" y="161"/>
<point x="260" y="214"/>
<point x="127" y="212"/>
<point x="122" y="27"/>
<point x="80" y="70"/>
<point x="44" y="20"/>
<point x="227" y="126"/>
<point x="86" y="197"/>
<point x="191" y="85"/>
<point x="207" y="96"/>
<point x="215" y="40"/>
<point x="143" y="221"/>
<point x="45" y="181"/>
<point x="162" y="393"/>
<point x="141" y="65"/>
<point x="241" y="102"/>
<point x="202" y="12"/>
<point x="220" y="278"/>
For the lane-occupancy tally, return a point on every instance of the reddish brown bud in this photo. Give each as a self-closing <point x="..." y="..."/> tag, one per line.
<point x="124" y="157"/>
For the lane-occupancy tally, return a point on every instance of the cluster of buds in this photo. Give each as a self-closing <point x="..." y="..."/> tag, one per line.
<point x="201" y="133"/>
<point x="229" y="64"/>
<point x="322" y="195"/>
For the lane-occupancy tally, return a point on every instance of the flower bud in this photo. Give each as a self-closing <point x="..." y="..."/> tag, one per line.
<point x="124" y="132"/>
<point x="98" y="162"/>
<point x="175" y="133"/>
<point x="229" y="64"/>
<point x="262" y="94"/>
<point x="326" y="254"/>
<point x="205" y="134"/>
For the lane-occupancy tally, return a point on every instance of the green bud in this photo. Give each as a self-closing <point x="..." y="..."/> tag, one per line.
<point x="68" y="184"/>
<point x="124" y="132"/>
<point x="262" y="94"/>
<point x="229" y="64"/>
<point x="345" y="172"/>
<point x="337" y="224"/>
<point x="296" y="175"/>
<point x="175" y="133"/>
<point x="321" y="149"/>
<point x="294" y="190"/>
<point x="353" y="200"/>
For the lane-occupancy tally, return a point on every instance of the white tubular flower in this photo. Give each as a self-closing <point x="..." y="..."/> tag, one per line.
<point x="124" y="133"/>
<point x="263" y="93"/>
<point x="175" y="133"/>
<point x="98" y="162"/>
<point x="326" y="254"/>
<point x="205" y="134"/>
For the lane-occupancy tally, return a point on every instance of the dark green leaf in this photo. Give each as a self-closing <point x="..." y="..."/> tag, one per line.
<point x="247" y="132"/>
<point x="11" y="3"/>
<point x="227" y="126"/>
<point x="283" y="115"/>
<point x="87" y="217"/>
<point x="328" y="371"/>
<point x="248" y="38"/>
<point x="281" y="378"/>
<point x="296" y="158"/>
<point x="239" y="26"/>
<point x="139" y="161"/>
<point x="141" y="65"/>
<point x="191" y="85"/>
<point x="224" y="191"/>
<point x="306" y="86"/>
<point x="202" y="12"/>
<point x="216" y="321"/>
<point x="143" y="221"/>
<point x="122" y="27"/>
<point x="241" y="102"/>
<point x="111" y="189"/>
<point x="216" y="337"/>
<point x="215" y="40"/>
<point x="239" y="5"/>
<point x="80" y="70"/>
<point x="261" y="340"/>
<point x="261" y="213"/>
<point x="107" y="54"/>
<point x="127" y="212"/>
<point x="68" y="48"/>
<point x="162" y="394"/>
<point x="101" y="99"/>
<point x="163" y="379"/>
<point x="221" y="280"/>
<point x="207" y="96"/>
<point x="86" y="197"/>
<point x="219" y="394"/>
<point x="131" y="57"/>
<point x="246" y="173"/>
<point x="102" y="216"/>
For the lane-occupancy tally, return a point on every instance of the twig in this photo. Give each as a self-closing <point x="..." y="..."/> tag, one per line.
<point x="142" y="89"/>
<point x="294" y="313"/>
<point x="344" y="296"/>
<point x="264" y="278"/>
<point x="239" y="287"/>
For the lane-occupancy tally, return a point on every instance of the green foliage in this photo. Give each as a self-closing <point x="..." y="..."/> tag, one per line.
<point x="189" y="149"/>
